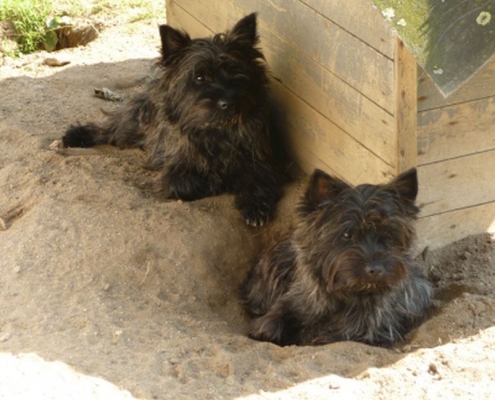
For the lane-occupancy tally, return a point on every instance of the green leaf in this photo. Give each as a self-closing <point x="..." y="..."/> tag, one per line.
<point x="51" y="40"/>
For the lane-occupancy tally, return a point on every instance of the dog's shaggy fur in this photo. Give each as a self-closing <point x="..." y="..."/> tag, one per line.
<point x="203" y="121"/>
<point x="346" y="272"/>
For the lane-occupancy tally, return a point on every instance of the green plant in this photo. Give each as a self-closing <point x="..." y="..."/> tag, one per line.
<point x="29" y="19"/>
<point x="36" y="21"/>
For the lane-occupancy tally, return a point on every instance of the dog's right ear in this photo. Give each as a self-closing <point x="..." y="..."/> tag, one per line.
<point x="172" y="41"/>
<point x="406" y="185"/>
<point x="245" y="31"/>
<point x="321" y="189"/>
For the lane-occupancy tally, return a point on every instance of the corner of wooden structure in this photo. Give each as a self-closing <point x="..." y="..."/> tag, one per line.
<point x="406" y="69"/>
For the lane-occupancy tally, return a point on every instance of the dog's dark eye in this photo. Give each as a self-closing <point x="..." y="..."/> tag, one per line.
<point x="347" y="236"/>
<point x="200" y="78"/>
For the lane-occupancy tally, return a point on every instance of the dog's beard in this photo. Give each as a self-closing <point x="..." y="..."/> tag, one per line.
<point x="345" y="272"/>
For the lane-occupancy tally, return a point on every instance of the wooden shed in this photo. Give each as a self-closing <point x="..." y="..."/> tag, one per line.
<point x="359" y="106"/>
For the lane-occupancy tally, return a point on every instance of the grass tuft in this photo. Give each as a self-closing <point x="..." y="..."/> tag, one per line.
<point x="31" y="18"/>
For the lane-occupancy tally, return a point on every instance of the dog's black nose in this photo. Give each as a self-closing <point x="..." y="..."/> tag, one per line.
<point x="374" y="270"/>
<point x="224" y="104"/>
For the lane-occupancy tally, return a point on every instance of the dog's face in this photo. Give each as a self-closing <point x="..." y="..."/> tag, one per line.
<point x="357" y="239"/>
<point x="215" y="82"/>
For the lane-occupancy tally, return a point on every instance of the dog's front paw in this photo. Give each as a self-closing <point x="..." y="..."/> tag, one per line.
<point x="266" y="329"/>
<point x="185" y="187"/>
<point x="256" y="210"/>
<point x="81" y="136"/>
<point x="255" y="214"/>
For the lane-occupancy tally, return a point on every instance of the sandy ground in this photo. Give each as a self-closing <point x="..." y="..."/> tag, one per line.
<point x="108" y="292"/>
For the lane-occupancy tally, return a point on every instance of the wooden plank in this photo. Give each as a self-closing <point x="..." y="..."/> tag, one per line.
<point x="318" y="143"/>
<point x="361" y="19"/>
<point x="481" y="85"/>
<point x="354" y="62"/>
<point x="180" y="19"/>
<point x="441" y="229"/>
<point x="457" y="183"/>
<point x="407" y="111"/>
<point x="454" y="131"/>
<point x="346" y="107"/>
<point x="340" y="103"/>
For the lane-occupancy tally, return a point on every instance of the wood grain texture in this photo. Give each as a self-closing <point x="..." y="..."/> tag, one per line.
<point x="457" y="183"/>
<point x="350" y="59"/>
<point x="318" y="143"/>
<point x="439" y="230"/>
<point x="407" y="111"/>
<point x="455" y="131"/>
<point x="354" y="113"/>
<point x="361" y="19"/>
<point x="179" y="19"/>
<point x="481" y="85"/>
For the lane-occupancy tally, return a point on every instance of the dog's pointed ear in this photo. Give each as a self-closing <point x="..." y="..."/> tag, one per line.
<point x="245" y="31"/>
<point x="172" y="41"/>
<point x="405" y="185"/>
<point x="321" y="189"/>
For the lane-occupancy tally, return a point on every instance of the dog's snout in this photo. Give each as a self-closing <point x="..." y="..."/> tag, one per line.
<point x="375" y="269"/>
<point x="224" y="104"/>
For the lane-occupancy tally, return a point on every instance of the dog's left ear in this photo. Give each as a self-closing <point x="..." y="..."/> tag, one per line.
<point x="406" y="185"/>
<point x="245" y="31"/>
<point x="321" y="189"/>
<point x="172" y="41"/>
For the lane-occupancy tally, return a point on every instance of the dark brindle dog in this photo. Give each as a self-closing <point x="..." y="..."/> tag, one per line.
<point x="203" y="120"/>
<point x="346" y="272"/>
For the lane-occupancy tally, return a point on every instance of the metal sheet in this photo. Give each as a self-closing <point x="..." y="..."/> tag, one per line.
<point x="451" y="39"/>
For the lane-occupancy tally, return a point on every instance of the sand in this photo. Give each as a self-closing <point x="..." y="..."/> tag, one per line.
<point x="109" y="292"/>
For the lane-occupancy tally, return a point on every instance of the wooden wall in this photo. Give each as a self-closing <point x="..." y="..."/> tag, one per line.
<point x="456" y="158"/>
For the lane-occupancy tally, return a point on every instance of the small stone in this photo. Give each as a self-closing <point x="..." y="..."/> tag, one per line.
<point x="17" y="269"/>
<point x="56" y="62"/>
<point x="4" y="337"/>
<point x="3" y="226"/>
<point x="432" y="369"/>
<point x="56" y="144"/>
<point x="107" y="94"/>
<point x="106" y="287"/>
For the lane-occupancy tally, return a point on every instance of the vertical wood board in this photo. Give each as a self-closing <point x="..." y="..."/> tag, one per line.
<point x="407" y="112"/>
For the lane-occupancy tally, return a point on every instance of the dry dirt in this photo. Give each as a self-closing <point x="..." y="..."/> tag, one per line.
<point x="107" y="292"/>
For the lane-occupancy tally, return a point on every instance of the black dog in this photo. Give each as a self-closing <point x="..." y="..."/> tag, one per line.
<point x="346" y="272"/>
<point x="204" y="121"/>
